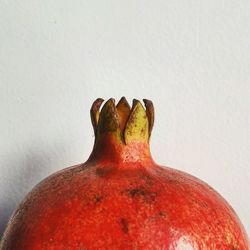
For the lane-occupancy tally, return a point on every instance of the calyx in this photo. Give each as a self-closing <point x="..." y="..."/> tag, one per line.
<point x="126" y="123"/>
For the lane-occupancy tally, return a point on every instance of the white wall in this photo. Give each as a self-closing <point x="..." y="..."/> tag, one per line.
<point x="192" y="58"/>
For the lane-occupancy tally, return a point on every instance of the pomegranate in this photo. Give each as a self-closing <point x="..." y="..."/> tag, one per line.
<point x="121" y="199"/>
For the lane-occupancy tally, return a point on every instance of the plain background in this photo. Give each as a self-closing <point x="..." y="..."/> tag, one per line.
<point x="192" y="58"/>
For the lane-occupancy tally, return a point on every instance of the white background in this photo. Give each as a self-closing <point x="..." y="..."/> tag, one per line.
<point x="192" y="58"/>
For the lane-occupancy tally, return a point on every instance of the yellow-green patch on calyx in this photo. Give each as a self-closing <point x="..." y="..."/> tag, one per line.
<point x="137" y="124"/>
<point x="125" y="123"/>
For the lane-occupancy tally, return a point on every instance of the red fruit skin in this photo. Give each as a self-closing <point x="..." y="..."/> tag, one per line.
<point x="121" y="199"/>
<point x="118" y="201"/>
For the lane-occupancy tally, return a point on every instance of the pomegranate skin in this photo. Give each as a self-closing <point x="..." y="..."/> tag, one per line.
<point x="121" y="199"/>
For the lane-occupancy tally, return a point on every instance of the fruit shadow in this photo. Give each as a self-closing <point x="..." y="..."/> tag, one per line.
<point x="25" y="171"/>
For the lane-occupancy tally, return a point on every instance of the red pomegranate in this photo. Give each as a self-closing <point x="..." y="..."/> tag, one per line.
<point x="121" y="199"/>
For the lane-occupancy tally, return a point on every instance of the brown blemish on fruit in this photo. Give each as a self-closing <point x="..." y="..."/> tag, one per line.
<point x="162" y="214"/>
<point x="124" y="225"/>
<point x="103" y="171"/>
<point x="98" y="198"/>
<point x="148" y="197"/>
<point x="136" y="192"/>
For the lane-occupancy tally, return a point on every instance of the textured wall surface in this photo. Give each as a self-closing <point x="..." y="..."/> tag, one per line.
<point x="192" y="58"/>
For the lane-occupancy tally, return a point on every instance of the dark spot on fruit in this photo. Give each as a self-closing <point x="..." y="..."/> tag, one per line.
<point x="98" y="198"/>
<point x="124" y="224"/>
<point x="136" y="192"/>
<point x="148" y="197"/>
<point x="162" y="214"/>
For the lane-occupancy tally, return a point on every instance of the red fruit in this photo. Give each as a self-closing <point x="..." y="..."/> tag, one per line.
<point x="121" y="199"/>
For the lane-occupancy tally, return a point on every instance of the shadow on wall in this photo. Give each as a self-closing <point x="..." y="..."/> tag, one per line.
<point x="23" y="174"/>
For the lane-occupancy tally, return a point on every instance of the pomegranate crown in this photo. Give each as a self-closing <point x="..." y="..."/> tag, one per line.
<point x="126" y="123"/>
